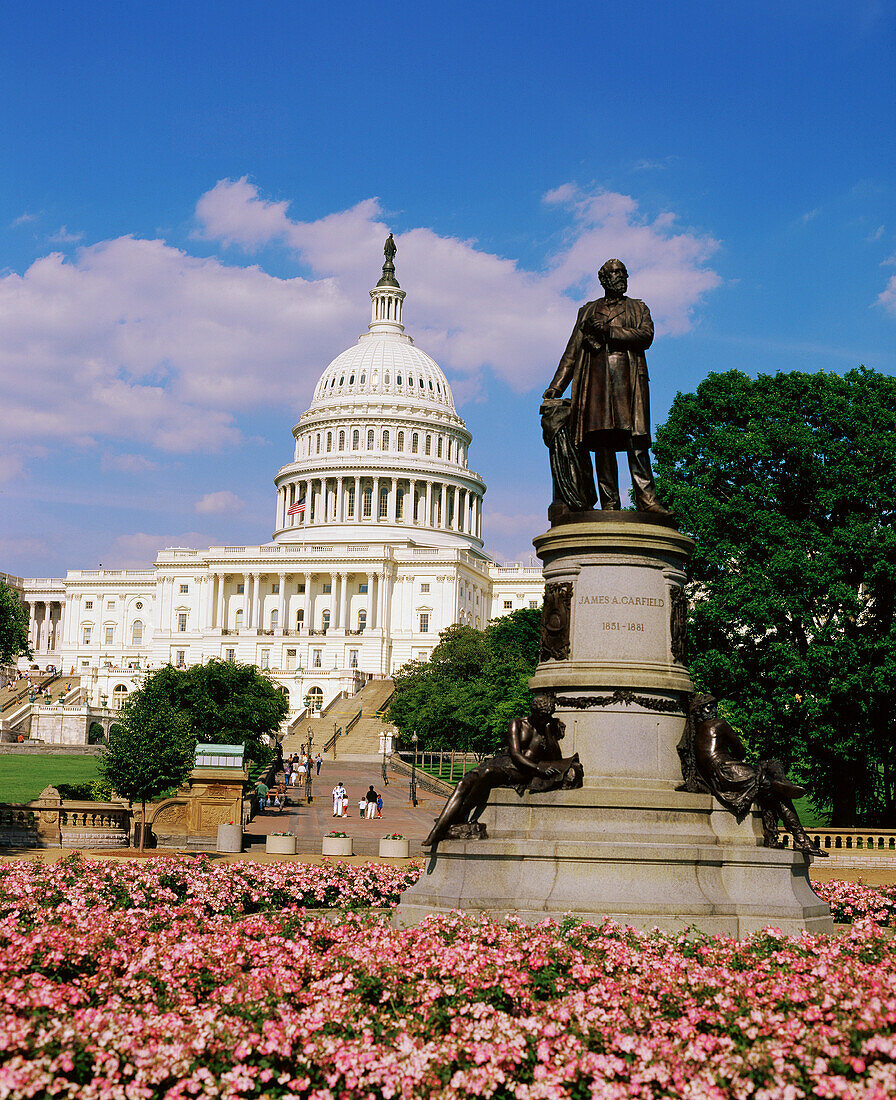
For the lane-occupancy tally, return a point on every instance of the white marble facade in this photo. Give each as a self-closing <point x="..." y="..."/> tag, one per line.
<point x="377" y="546"/>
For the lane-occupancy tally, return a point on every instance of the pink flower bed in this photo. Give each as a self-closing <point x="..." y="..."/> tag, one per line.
<point x="853" y="901"/>
<point x="110" y="988"/>
<point x="230" y="889"/>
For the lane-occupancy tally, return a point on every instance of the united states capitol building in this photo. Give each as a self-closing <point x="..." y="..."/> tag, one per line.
<point x="377" y="546"/>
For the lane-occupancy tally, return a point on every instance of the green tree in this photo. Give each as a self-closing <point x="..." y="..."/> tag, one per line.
<point x="150" y="750"/>
<point x="472" y="685"/>
<point x="225" y="703"/>
<point x="13" y="626"/>
<point x="788" y="485"/>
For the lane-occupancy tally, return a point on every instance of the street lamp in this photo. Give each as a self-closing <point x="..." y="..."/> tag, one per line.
<point x="385" y="777"/>
<point x="414" y="770"/>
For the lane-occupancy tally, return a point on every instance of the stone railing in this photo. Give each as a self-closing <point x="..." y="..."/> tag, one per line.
<point x="49" y="822"/>
<point x="879" y="841"/>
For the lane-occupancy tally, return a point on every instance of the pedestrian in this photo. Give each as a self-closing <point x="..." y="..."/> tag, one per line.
<point x="339" y="795"/>
<point x="261" y="793"/>
<point x="370" y="799"/>
<point x="362" y="806"/>
<point x="379" y="805"/>
<point x="318" y="760"/>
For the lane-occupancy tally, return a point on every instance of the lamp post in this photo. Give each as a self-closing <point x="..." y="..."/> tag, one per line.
<point x="414" y="770"/>
<point x="385" y="777"/>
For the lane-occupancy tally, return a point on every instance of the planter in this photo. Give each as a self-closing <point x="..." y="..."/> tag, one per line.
<point x="280" y="845"/>
<point x="395" y="849"/>
<point x="337" y="846"/>
<point x="230" y="838"/>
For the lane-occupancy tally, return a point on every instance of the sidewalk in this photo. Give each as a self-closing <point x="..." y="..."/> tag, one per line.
<point x="311" y="823"/>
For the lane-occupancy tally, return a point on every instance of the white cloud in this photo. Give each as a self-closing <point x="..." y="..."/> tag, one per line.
<point x="219" y="503"/>
<point x="63" y="236"/>
<point x="128" y="464"/>
<point x="510" y="535"/>
<point x="140" y="549"/>
<point x="23" y="219"/>
<point x="135" y="340"/>
<point x="887" y="297"/>
<point x="470" y="308"/>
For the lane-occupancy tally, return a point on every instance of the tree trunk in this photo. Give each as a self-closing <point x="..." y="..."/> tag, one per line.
<point x="142" y="827"/>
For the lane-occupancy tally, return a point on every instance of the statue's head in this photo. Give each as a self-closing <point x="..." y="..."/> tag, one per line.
<point x="704" y="707"/>
<point x="614" y="277"/>
<point x="544" y="702"/>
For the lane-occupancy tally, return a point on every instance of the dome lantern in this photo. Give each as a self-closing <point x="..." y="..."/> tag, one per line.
<point x="386" y="297"/>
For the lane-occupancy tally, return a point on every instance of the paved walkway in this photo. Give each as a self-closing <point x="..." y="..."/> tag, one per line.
<point x="311" y="823"/>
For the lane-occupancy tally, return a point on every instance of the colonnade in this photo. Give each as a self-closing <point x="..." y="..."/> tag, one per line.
<point x="412" y="502"/>
<point x="44" y="625"/>
<point x="217" y="592"/>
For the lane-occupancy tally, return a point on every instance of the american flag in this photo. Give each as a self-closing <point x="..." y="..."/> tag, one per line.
<point x="297" y="508"/>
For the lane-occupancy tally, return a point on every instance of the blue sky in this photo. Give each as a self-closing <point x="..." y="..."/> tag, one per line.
<point x="193" y="199"/>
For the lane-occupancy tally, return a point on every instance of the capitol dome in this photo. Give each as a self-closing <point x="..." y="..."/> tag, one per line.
<point x="381" y="444"/>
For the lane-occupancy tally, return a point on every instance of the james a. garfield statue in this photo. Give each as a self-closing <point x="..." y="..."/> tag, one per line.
<point x="610" y="406"/>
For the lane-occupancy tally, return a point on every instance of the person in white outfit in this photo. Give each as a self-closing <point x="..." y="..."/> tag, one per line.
<point x="340" y="800"/>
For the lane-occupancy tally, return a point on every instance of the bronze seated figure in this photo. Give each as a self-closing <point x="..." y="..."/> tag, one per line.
<point x="532" y="761"/>
<point x="714" y="759"/>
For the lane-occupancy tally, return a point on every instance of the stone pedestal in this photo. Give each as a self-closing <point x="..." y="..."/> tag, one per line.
<point x="628" y="845"/>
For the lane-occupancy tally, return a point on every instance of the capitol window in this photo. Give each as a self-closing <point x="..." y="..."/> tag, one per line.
<point x="384" y="503"/>
<point x="439" y="447"/>
<point x="239" y="618"/>
<point x="86" y="635"/>
<point x="508" y="604"/>
<point x="88" y="605"/>
<point x="370" y="440"/>
<point x="110" y="635"/>
<point x="230" y="655"/>
<point x="184" y="588"/>
<point x="362" y="619"/>
<point x="315" y="658"/>
<point x="367" y="503"/>
<point x="137" y="633"/>
<point x="363" y="379"/>
<point x="424" y="587"/>
<point x="351" y="502"/>
<point x="428" y="447"/>
<point x="329" y="442"/>
<point x="400" y="441"/>
<point x="325" y="621"/>
<point x="424" y="622"/>
<point x="385" y="441"/>
<point x="356" y="439"/>
<point x="318" y="442"/>
<point x="342" y="441"/>
<point x="353" y="658"/>
<point x="415" y="443"/>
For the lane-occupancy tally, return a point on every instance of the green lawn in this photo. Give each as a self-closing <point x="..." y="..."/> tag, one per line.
<point x="24" y="777"/>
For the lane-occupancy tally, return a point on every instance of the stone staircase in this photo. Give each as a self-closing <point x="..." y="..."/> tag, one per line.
<point x="360" y="736"/>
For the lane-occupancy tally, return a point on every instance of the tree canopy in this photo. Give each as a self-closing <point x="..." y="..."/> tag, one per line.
<point x="788" y="485"/>
<point x="224" y="702"/>
<point x="13" y="626"/>
<point x="150" y="750"/>
<point x="473" y="684"/>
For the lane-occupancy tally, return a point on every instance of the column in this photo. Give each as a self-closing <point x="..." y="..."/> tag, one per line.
<point x="222" y="579"/>
<point x="393" y="507"/>
<point x="370" y="580"/>
<point x="335" y="598"/>
<point x="259" y="603"/>
<point x="357" y="515"/>
<point x="443" y="518"/>
<point x="343" y="610"/>
<point x="200" y="602"/>
<point x="411" y="516"/>
<point x="428" y="518"/>
<point x="339" y="516"/>
<point x="307" y="620"/>
<point x="375" y="503"/>
<point x="281" y="603"/>
<point x="381" y="600"/>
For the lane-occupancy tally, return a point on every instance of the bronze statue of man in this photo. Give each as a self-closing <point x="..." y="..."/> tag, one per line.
<point x="610" y="409"/>
<point x="720" y="759"/>
<point x="532" y="760"/>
